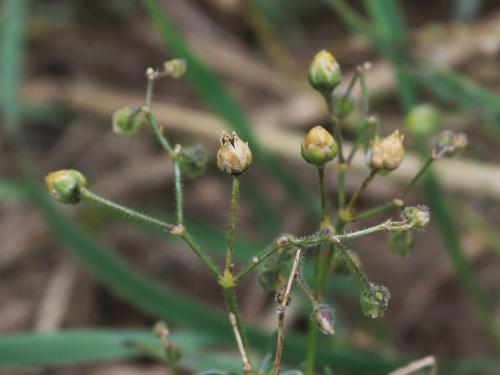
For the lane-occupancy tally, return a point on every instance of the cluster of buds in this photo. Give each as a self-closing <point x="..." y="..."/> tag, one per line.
<point x="375" y="300"/>
<point x="171" y="352"/>
<point x="65" y="185"/>
<point x="234" y="155"/>
<point x="174" y="68"/>
<point x="448" y="144"/>
<point x="387" y="153"/>
<point x="318" y="146"/>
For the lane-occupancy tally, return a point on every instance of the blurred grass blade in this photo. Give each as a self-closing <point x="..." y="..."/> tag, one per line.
<point x="77" y="346"/>
<point x="443" y="219"/>
<point x="12" y="25"/>
<point x="214" y="93"/>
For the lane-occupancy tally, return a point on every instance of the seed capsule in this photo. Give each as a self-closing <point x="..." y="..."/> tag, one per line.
<point x="64" y="185"/>
<point x="175" y="68"/>
<point x="318" y="146"/>
<point x="386" y="153"/>
<point x="423" y="120"/>
<point x="448" y="143"/>
<point x="323" y="316"/>
<point x="234" y="155"/>
<point x="375" y="300"/>
<point x="126" y="121"/>
<point x="417" y="217"/>
<point x="324" y="72"/>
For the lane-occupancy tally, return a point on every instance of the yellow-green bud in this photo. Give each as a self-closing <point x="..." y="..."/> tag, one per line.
<point x="417" y="217"/>
<point x="126" y="121"/>
<point x="324" y="72"/>
<point x="448" y="143"/>
<point x="64" y="185"/>
<point x="175" y="68"/>
<point x="318" y="146"/>
<point x="234" y="155"/>
<point x="386" y="153"/>
<point x="423" y="119"/>
<point x="323" y="315"/>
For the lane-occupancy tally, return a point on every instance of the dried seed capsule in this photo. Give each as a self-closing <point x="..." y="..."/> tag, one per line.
<point x="375" y="300"/>
<point x="423" y="120"/>
<point x="386" y="153"/>
<point x="318" y="146"/>
<point x="417" y="217"/>
<point x="401" y="242"/>
<point x="448" y="143"/>
<point x="323" y="316"/>
<point x="126" y="121"/>
<point x="324" y="72"/>
<point x="64" y="185"/>
<point x="234" y="155"/>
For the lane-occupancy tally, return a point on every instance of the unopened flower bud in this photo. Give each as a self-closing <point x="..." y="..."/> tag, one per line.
<point x="318" y="146"/>
<point x="417" y="217"/>
<point x="175" y="68"/>
<point x="423" y="119"/>
<point x="192" y="159"/>
<point x="375" y="300"/>
<point x="386" y="153"/>
<point x="401" y="242"/>
<point x="126" y="121"/>
<point x="65" y="185"/>
<point x="448" y="143"/>
<point x="234" y="155"/>
<point x="323" y="316"/>
<point x="324" y="72"/>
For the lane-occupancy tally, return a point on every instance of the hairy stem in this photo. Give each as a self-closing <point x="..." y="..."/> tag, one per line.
<point x="360" y="190"/>
<point x="239" y="333"/>
<point x="177" y="230"/>
<point x="178" y="192"/>
<point x="233" y="215"/>
<point x="281" y="312"/>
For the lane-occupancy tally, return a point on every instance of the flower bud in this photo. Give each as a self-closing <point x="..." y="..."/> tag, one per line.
<point x="234" y="155"/>
<point x="417" y="217"/>
<point x="64" y="185"/>
<point x="401" y="242"/>
<point x="126" y="121"/>
<point x="375" y="300"/>
<point x="192" y="159"/>
<point x="423" y="119"/>
<point x="448" y="143"/>
<point x="386" y="153"/>
<point x="318" y="146"/>
<point x="324" y="72"/>
<point x="323" y="316"/>
<point x="175" y="68"/>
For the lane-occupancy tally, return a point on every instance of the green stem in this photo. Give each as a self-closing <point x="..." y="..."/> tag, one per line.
<point x="342" y="169"/>
<point x="189" y="240"/>
<point x="178" y="192"/>
<point x="149" y="92"/>
<point x="232" y="306"/>
<point x="157" y="130"/>
<point x="87" y="194"/>
<point x="325" y="219"/>
<point x="179" y="231"/>
<point x="420" y="173"/>
<point x="361" y="189"/>
<point x="256" y="260"/>
<point x="352" y="265"/>
<point x="233" y="215"/>
<point x="374" y="211"/>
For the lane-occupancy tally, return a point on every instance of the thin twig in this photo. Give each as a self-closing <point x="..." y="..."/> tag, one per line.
<point x="418" y="365"/>
<point x="247" y="367"/>
<point x="281" y="312"/>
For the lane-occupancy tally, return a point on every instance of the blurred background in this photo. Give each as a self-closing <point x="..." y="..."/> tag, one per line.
<point x="66" y="66"/>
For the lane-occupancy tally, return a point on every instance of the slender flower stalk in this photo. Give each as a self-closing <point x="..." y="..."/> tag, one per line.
<point x="361" y="189"/>
<point x="281" y="312"/>
<point x="233" y="215"/>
